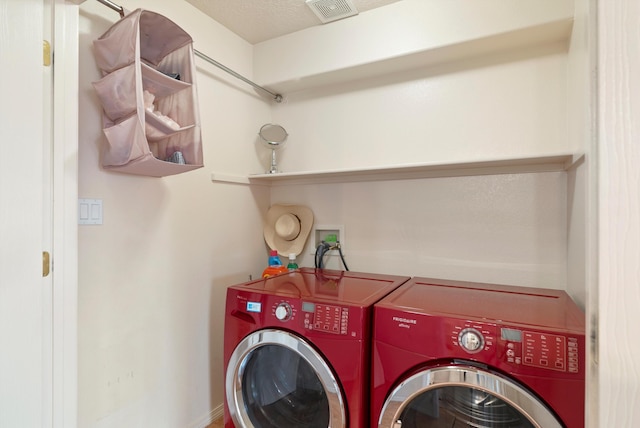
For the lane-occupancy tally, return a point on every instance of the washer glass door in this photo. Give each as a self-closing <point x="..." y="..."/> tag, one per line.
<point x="461" y="396"/>
<point x="275" y="379"/>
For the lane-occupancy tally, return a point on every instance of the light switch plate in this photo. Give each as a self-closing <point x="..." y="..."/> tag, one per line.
<point x="89" y="211"/>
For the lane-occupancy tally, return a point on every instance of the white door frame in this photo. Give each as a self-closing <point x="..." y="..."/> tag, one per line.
<point x="65" y="223"/>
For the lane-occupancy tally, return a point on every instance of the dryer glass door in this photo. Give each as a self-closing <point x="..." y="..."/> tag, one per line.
<point x="277" y="380"/>
<point x="461" y="396"/>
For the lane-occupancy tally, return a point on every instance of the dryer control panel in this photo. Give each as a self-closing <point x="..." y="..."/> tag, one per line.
<point x="540" y="349"/>
<point x="516" y="347"/>
<point x="550" y="351"/>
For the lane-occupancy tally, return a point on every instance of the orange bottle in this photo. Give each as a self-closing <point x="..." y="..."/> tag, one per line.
<point x="275" y="265"/>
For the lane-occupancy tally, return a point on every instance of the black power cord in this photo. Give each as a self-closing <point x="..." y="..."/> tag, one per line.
<point x="323" y="249"/>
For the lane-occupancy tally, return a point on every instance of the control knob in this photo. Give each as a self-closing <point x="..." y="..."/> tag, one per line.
<point x="283" y="311"/>
<point x="471" y="340"/>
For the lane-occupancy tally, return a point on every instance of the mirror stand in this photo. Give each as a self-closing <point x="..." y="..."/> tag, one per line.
<point x="274" y="166"/>
<point x="274" y="137"/>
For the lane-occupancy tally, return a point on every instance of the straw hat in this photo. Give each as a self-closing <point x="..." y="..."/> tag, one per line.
<point x="287" y="227"/>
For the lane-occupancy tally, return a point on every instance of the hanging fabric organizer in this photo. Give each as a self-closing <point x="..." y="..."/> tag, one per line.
<point x="148" y="93"/>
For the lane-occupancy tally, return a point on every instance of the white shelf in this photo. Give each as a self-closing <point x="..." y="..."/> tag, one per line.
<point x="551" y="163"/>
<point x="420" y="40"/>
<point x="549" y="33"/>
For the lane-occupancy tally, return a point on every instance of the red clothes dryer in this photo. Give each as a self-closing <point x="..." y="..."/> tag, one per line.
<point x="456" y="354"/>
<point x="297" y="349"/>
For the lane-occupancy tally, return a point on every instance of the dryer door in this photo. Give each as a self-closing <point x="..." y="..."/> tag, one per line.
<point x="463" y="396"/>
<point x="275" y="379"/>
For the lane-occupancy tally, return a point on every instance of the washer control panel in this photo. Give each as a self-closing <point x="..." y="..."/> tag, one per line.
<point x="320" y="317"/>
<point x="327" y="318"/>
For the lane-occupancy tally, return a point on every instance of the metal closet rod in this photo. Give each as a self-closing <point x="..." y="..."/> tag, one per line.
<point x="276" y="97"/>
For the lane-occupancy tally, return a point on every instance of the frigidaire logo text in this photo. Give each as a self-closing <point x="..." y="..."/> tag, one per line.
<point x="405" y="320"/>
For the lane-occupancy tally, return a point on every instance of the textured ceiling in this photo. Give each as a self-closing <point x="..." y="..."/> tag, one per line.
<point x="260" y="20"/>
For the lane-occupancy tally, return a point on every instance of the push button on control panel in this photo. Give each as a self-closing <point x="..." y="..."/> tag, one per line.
<point x="572" y="353"/>
<point x="513" y="353"/>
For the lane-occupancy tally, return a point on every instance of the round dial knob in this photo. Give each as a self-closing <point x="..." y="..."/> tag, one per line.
<point x="283" y="311"/>
<point x="471" y="340"/>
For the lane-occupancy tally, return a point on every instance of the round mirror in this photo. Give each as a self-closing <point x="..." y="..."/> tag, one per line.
<point x="274" y="137"/>
<point x="273" y="134"/>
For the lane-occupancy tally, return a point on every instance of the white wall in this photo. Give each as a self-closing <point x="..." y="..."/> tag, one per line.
<point x="509" y="104"/>
<point x="152" y="278"/>
<point x="410" y="33"/>
<point x="509" y="229"/>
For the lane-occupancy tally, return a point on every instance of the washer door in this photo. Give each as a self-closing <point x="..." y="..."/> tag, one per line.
<point x="275" y="379"/>
<point x="463" y="396"/>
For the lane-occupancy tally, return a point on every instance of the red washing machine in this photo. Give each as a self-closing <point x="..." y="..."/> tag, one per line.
<point x="297" y="349"/>
<point x="457" y="354"/>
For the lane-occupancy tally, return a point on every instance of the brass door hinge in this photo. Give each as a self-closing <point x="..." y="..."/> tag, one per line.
<point x="46" y="264"/>
<point x="46" y="53"/>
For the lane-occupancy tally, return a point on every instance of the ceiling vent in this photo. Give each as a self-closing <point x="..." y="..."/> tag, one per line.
<point x="332" y="10"/>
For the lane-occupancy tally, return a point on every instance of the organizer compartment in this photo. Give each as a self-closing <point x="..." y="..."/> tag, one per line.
<point x="126" y="141"/>
<point x="157" y="129"/>
<point x="117" y="92"/>
<point x="149" y="97"/>
<point x="160" y="84"/>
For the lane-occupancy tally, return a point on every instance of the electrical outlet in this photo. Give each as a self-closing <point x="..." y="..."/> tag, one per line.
<point x="328" y="233"/>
